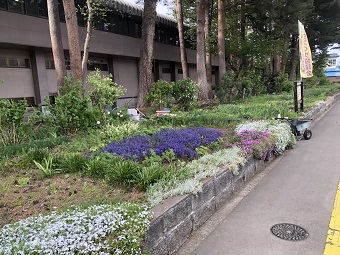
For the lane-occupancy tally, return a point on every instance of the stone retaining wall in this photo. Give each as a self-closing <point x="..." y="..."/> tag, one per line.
<point x="176" y="218"/>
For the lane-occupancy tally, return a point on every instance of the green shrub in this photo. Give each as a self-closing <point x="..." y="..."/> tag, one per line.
<point x="318" y="79"/>
<point x="251" y="83"/>
<point x="283" y="83"/>
<point x="161" y="94"/>
<point x="116" y="133"/>
<point x="70" y="112"/>
<point x="13" y="128"/>
<point x="117" y="116"/>
<point x="185" y="93"/>
<point x="104" y="91"/>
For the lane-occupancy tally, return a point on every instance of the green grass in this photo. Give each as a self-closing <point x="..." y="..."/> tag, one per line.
<point x="253" y="108"/>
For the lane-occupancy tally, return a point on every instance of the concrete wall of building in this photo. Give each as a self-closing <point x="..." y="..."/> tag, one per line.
<point x="125" y="74"/>
<point x="31" y="34"/>
<point x="34" y="31"/>
<point x="18" y="82"/>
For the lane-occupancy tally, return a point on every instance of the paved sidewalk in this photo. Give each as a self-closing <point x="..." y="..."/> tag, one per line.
<point x="298" y="188"/>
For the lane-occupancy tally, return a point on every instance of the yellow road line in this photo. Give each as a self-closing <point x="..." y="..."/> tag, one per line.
<point x="332" y="246"/>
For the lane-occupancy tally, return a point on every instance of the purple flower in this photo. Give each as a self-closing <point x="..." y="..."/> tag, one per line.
<point x="182" y="141"/>
<point x="254" y="142"/>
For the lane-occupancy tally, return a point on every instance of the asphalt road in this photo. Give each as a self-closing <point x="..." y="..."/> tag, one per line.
<point x="297" y="188"/>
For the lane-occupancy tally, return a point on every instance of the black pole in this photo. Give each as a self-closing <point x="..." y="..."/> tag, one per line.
<point x="301" y="104"/>
<point x="296" y="105"/>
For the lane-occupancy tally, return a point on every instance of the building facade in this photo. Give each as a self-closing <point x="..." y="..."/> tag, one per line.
<point x="26" y="60"/>
<point x="332" y="70"/>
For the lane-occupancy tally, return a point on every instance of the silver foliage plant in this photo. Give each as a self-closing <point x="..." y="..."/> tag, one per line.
<point x="208" y="165"/>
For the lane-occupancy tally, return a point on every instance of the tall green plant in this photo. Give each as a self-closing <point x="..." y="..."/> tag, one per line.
<point x="185" y="93"/>
<point x="160" y="94"/>
<point x="71" y="110"/>
<point x="104" y="91"/>
<point x="13" y="128"/>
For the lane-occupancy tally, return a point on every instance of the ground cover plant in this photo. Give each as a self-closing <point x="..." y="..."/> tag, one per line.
<point x="98" y="229"/>
<point x="178" y="152"/>
<point x="182" y="142"/>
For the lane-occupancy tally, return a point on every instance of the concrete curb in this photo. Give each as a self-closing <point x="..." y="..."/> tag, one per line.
<point x="177" y="217"/>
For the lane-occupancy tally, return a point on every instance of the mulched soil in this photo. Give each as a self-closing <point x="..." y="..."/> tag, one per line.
<point x="22" y="196"/>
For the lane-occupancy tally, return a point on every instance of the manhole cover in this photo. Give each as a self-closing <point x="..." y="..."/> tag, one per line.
<point x="289" y="232"/>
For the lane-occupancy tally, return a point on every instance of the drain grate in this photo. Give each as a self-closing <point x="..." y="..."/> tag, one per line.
<point x="289" y="232"/>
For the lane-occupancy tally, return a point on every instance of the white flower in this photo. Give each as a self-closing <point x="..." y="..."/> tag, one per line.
<point x="98" y="122"/>
<point x="108" y="112"/>
<point x="73" y="230"/>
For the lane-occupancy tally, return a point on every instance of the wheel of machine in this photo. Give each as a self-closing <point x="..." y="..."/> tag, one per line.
<point x="307" y="134"/>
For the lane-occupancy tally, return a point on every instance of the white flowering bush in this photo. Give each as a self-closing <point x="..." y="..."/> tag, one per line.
<point x="118" y="132"/>
<point x="99" y="229"/>
<point x="279" y="131"/>
<point x="185" y="93"/>
<point x="197" y="170"/>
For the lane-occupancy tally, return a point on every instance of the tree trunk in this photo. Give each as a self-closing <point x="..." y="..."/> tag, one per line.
<point x="184" y="61"/>
<point x="201" y="71"/>
<point x="87" y="40"/>
<point x="294" y="57"/>
<point x="276" y="63"/>
<point x="285" y="51"/>
<point x="56" y="41"/>
<point x="221" y="40"/>
<point x="207" y="42"/>
<point x="146" y="52"/>
<point x="73" y="39"/>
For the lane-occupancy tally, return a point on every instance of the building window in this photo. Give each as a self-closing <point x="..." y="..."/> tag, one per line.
<point x="331" y="62"/>
<point x="16" y="5"/>
<point x="15" y="62"/>
<point x="3" y="4"/>
<point x="42" y="5"/>
<point x="49" y="64"/>
<point x="24" y="62"/>
<point x="180" y="71"/>
<point x="166" y="70"/>
<point x="31" y="7"/>
<point x="3" y="62"/>
<point x="95" y="65"/>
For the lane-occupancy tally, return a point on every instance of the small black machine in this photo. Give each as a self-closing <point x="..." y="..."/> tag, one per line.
<point x="299" y="127"/>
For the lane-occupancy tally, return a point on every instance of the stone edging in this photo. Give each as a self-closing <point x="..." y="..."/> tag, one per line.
<point x="177" y="217"/>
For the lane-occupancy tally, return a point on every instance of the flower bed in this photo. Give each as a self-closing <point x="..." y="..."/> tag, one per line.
<point x="280" y="132"/>
<point x="102" y="229"/>
<point x="260" y="144"/>
<point x="183" y="142"/>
